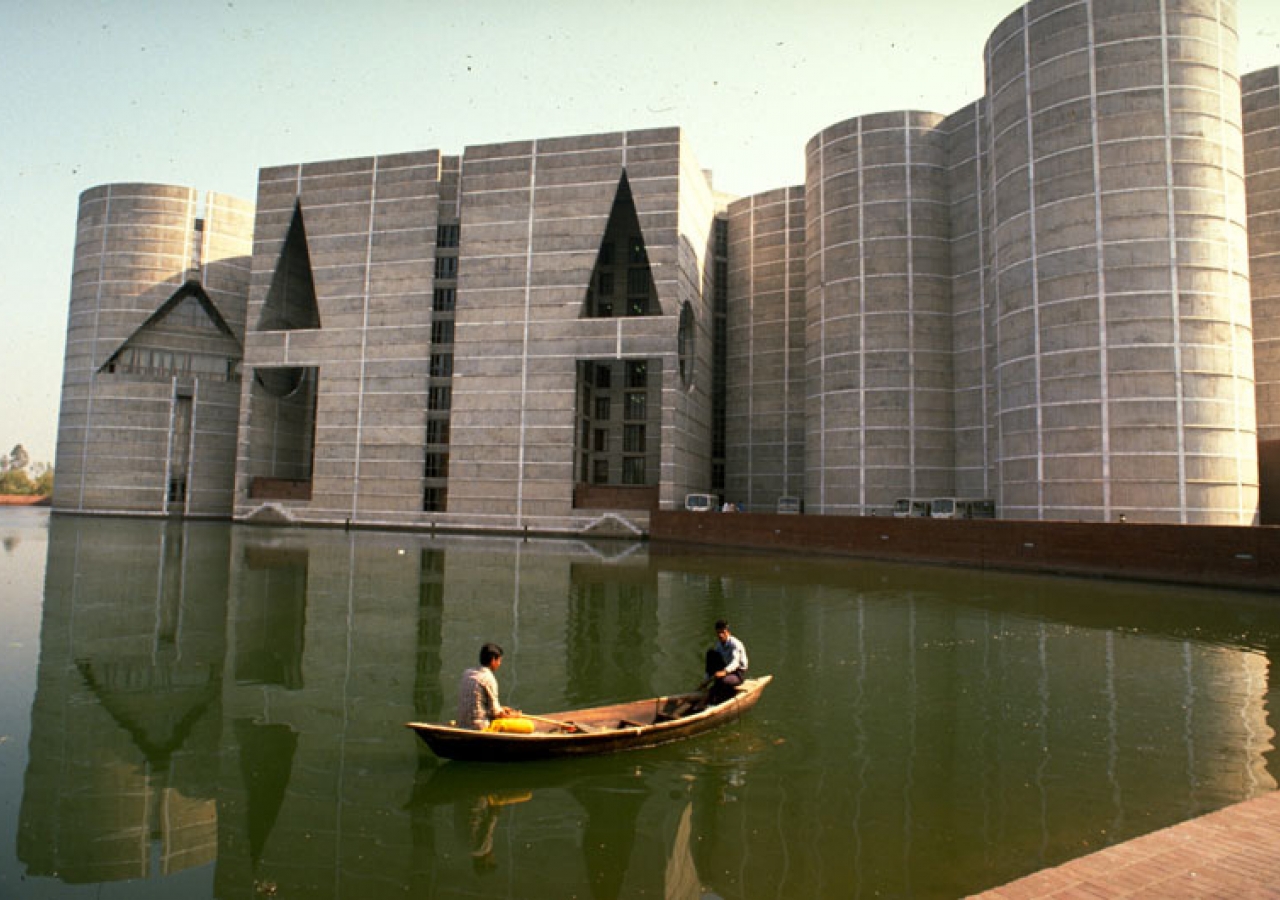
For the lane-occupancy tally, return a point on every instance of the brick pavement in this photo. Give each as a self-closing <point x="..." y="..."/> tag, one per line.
<point x="1232" y="854"/>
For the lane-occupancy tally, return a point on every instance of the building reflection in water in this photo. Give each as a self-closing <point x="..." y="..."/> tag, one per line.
<point x="234" y="698"/>
<point x="123" y="774"/>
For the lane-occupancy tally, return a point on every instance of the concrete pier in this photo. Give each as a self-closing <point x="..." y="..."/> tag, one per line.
<point x="1233" y="854"/>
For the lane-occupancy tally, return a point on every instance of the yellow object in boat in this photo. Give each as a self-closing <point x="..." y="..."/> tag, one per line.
<point x="508" y="798"/>
<point x="512" y="725"/>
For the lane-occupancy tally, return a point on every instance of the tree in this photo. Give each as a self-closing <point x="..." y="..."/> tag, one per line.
<point x="43" y="485"/>
<point x="16" y="481"/>
<point x="18" y="458"/>
<point x="19" y="475"/>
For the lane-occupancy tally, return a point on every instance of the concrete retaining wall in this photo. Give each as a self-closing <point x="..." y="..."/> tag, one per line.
<point x="1219" y="556"/>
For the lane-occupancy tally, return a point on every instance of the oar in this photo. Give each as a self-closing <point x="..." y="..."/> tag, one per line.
<point x="567" y="726"/>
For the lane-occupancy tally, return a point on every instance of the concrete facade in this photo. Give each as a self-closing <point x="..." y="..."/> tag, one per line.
<point x="336" y="388"/>
<point x="765" y="347"/>
<point x="456" y="356"/>
<point x="879" y="420"/>
<point x="1043" y="299"/>
<point x="1261" y="103"/>
<point x="1124" y="370"/>
<point x="155" y="331"/>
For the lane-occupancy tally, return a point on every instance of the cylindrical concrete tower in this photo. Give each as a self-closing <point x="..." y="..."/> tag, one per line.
<point x="972" y="331"/>
<point x="1118" y="264"/>
<point x="155" y="333"/>
<point x="1262" y="172"/>
<point x="878" y="415"/>
<point x="764" y="398"/>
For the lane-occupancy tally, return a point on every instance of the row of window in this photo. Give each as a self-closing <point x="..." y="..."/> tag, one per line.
<point x="637" y="283"/>
<point x="446" y="267"/>
<point x="601" y="374"/>
<point x="441" y="332"/>
<point x="633" y="469"/>
<point x="435" y="497"/>
<point x="436" y="466"/>
<point x="168" y="363"/>
<point x="636" y="254"/>
<point x="635" y="407"/>
<point x="441" y="365"/>
<point x="635" y="306"/>
<point x="720" y="341"/>
<point x="633" y="439"/>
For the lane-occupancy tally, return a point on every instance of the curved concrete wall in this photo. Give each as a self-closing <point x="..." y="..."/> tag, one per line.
<point x="879" y="409"/>
<point x="136" y="246"/>
<point x="972" y="326"/>
<point x="1261" y="103"/>
<point x="1117" y="264"/>
<point x="764" y="397"/>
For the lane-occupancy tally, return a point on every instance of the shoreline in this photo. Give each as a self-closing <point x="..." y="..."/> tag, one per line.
<point x="24" y="500"/>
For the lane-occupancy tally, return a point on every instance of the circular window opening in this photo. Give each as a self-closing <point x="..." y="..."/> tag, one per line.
<point x="280" y="382"/>
<point x="684" y="343"/>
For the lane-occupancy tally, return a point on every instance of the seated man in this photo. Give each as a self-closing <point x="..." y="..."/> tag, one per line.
<point x="726" y="663"/>
<point x="478" y="692"/>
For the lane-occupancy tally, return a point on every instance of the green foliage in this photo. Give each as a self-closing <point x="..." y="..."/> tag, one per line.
<point x="16" y="481"/>
<point x="44" y="483"/>
<point x="21" y="477"/>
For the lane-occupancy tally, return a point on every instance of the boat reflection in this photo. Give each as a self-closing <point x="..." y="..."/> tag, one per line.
<point x="635" y="833"/>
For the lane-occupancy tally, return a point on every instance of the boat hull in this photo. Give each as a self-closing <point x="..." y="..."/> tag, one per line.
<point x="600" y="730"/>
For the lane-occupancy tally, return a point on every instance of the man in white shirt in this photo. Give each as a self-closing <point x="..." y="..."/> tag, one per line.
<point x="726" y="663"/>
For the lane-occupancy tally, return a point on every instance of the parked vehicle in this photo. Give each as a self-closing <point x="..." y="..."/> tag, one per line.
<point x="701" y="502"/>
<point x="910" y="507"/>
<point x="982" y="509"/>
<point x="790" y="505"/>
<point x="953" y="508"/>
<point x="948" y="508"/>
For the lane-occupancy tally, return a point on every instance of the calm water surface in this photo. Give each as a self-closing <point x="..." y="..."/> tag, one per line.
<point x="204" y="710"/>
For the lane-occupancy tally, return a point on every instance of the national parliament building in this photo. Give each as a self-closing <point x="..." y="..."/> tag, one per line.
<point x="1064" y="297"/>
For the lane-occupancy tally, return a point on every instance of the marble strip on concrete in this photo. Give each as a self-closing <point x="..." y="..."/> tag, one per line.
<point x="1232" y="854"/>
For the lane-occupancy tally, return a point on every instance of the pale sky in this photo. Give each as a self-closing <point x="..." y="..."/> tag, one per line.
<point x="203" y="94"/>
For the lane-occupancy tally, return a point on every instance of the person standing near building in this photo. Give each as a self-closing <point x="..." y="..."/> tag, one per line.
<point x="478" y="702"/>
<point x="726" y="663"/>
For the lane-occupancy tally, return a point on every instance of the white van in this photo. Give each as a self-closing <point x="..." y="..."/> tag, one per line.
<point x="948" y="508"/>
<point x="911" y="508"/>
<point x="701" y="502"/>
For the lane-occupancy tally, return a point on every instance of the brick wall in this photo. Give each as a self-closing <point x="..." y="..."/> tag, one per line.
<point x="1220" y="556"/>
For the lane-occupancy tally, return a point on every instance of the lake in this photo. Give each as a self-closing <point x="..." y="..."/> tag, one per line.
<point x="211" y="710"/>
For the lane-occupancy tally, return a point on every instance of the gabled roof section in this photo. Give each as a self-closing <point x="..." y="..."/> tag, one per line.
<point x="190" y="310"/>
<point x="143" y="700"/>
<point x="291" y="299"/>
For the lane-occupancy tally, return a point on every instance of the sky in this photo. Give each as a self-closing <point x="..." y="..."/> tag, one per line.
<point x="203" y="94"/>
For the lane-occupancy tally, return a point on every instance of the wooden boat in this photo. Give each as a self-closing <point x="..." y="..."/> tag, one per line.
<point x="601" y="729"/>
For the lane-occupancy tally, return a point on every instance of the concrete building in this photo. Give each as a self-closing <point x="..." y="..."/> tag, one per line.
<point x="465" y="340"/>
<point x="1044" y="299"/>
<point x="155" y="333"/>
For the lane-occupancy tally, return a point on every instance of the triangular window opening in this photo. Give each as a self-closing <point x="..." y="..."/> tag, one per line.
<point x="622" y="282"/>
<point x="185" y="337"/>
<point x="291" y="299"/>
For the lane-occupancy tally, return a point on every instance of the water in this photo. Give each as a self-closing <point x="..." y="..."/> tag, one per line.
<point x="204" y="710"/>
